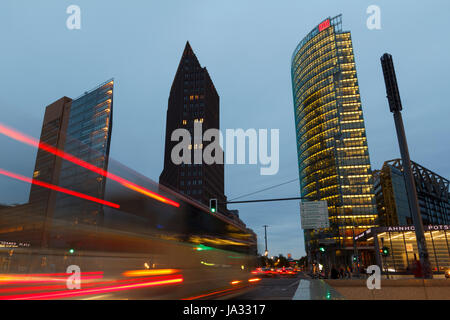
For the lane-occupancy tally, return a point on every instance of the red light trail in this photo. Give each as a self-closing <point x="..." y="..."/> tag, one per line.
<point x="209" y="294"/>
<point x="18" y="136"/>
<point x="57" y="188"/>
<point x="103" y="290"/>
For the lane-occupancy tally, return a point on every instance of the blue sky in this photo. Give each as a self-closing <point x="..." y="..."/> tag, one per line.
<point x="247" y="47"/>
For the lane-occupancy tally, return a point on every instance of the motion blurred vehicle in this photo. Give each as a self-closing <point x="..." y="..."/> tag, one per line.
<point x="287" y="272"/>
<point x="144" y="242"/>
<point x="264" y="272"/>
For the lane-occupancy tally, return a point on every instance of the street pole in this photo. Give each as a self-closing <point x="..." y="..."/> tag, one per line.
<point x="395" y="105"/>
<point x="265" y="239"/>
<point x="384" y="261"/>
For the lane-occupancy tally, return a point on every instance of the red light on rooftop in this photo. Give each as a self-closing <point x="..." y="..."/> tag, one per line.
<point x="324" y="25"/>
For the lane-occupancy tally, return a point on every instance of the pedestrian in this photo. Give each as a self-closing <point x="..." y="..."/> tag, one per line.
<point x="334" y="272"/>
<point x="349" y="272"/>
<point x="341" y="272"/>
<point x="327" y="271"/>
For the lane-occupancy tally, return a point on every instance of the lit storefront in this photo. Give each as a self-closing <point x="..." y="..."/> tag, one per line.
<point x="402" y="244"/>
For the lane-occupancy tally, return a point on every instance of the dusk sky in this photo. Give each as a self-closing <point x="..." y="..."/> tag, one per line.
<point x="247" y="48"/>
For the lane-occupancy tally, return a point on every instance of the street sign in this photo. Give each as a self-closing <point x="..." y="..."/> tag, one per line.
<point x="327" y="241"/>
<point x="314" y="214"/>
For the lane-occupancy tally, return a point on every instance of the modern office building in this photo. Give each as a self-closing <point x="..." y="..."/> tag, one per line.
<point x="402" y="247"/>
<point x="392" y="201"/>
<point x="193" y="100"/>
<point x="82" y="128"/>
<point x="333" y="156"/>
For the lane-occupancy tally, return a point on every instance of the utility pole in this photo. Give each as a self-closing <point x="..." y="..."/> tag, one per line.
<point x="265" y="239"/>
<point x="395" y="106"/>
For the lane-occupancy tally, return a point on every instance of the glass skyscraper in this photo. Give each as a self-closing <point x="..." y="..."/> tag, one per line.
<point x="88" y="138"/>
<point x="333" y="157"/>
<point x="82" y="128"/>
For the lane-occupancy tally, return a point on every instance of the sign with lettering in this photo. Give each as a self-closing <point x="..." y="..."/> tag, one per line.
<point x="324" y="25"/>
<point x="314" y="215"/>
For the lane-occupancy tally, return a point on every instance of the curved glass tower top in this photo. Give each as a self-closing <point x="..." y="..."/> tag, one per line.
<point x="333" y="157"/>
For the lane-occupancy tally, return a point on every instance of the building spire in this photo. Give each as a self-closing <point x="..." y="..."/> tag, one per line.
<point x="188" y="50"/>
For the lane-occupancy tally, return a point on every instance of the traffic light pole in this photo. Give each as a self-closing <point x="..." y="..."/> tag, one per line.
<point x="395" y="105"/>
<point x="266" y="252"/>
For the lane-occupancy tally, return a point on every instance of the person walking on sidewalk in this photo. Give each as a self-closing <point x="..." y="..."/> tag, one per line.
<point x="334" y="272"/>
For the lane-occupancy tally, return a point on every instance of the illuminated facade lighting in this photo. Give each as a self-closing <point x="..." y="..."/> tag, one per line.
<point x="333" y="157"/>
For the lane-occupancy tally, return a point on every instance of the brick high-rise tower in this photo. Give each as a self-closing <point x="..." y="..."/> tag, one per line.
<point x="193" y="100"/>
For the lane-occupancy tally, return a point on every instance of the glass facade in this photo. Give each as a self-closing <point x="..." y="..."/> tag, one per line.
<point x="392" y="200"/>
<point x="402" y="244"/>
<point x="88" y="138"/>
<point x="333" y="157"/>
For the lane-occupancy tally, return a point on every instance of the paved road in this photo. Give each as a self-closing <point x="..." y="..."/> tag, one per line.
<point x="278" y="288"/>
<point x="299" y="288"/>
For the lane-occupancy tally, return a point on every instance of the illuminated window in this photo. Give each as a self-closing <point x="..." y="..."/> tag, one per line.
<point x="184" y="122"/>
<point x="36" y="174"/>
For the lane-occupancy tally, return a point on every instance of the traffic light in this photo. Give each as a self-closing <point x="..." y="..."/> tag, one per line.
<point x="321" y="249"/>
<point x="355" y="258"/>
<point x="71" y="251"/>
<point x="384" y="251"/>
<point x="213" y="205"/>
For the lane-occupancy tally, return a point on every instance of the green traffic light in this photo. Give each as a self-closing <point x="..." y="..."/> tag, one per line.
<point x="213" y="210"/>
<point x="71" y="251"/>
<point x="322" y="249"/>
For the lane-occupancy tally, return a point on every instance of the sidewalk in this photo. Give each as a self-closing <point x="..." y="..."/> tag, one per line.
<point x="316" y="290"/>
<point x="402" y="289"/>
